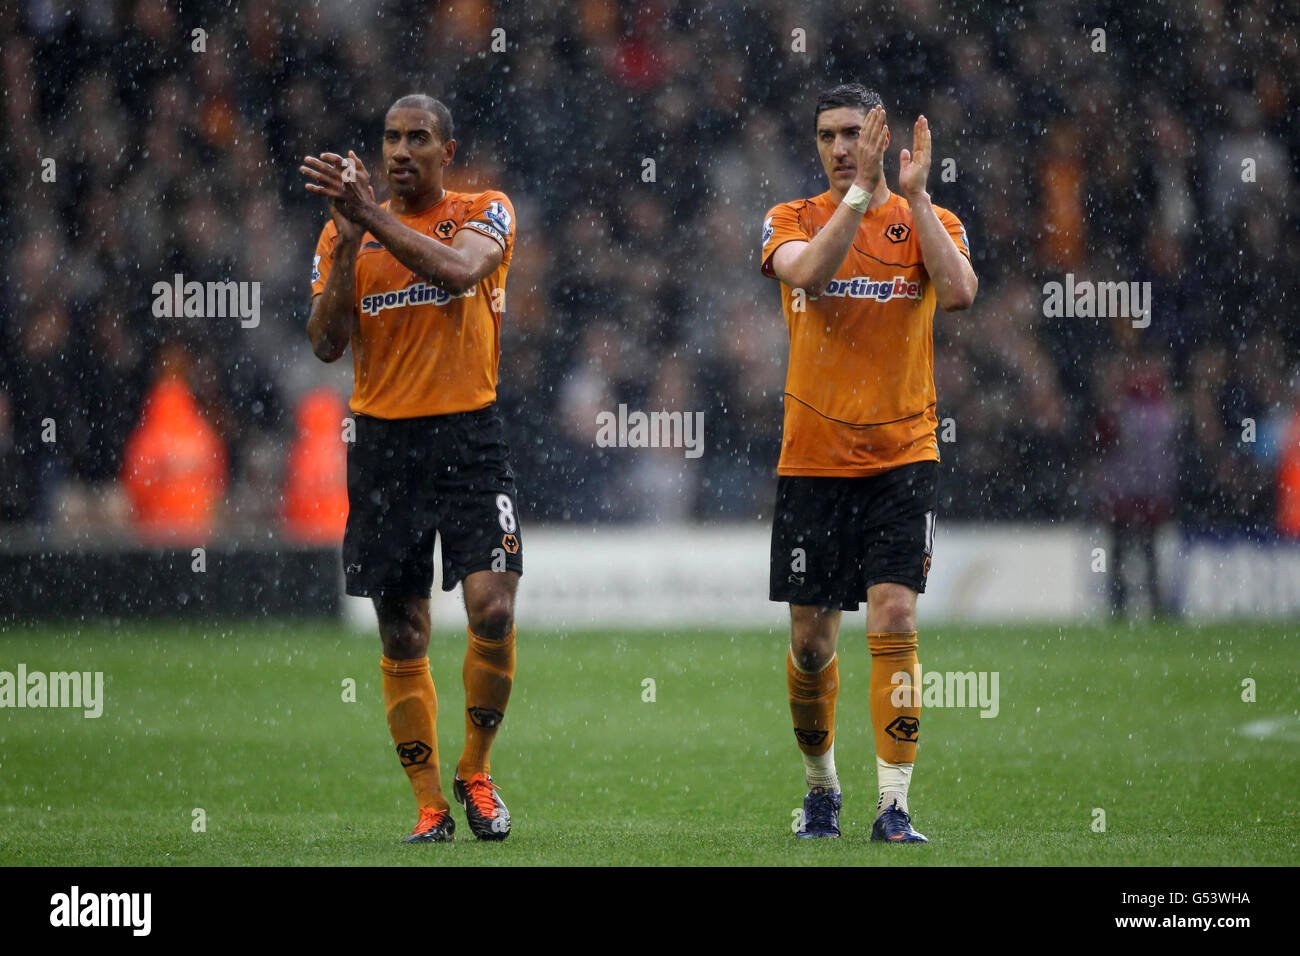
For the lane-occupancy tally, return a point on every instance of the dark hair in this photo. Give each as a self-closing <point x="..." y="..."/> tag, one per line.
<point x="848" y="94"/>
<point x="421" y="101"/>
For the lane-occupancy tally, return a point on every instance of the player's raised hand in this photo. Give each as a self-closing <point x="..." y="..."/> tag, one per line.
<point x="870" y="151"/>
<point x="914" y="165"/>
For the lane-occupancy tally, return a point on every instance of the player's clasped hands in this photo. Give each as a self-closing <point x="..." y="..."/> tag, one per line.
<point x="344" y="182"/>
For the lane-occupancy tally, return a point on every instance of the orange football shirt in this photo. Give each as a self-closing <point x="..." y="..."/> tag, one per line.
<point x="859" y="392"/>
<point x="418" y="350"/>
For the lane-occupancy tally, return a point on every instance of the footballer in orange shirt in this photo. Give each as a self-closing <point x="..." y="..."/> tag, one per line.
<point x="861" y="270"/>
<point x="417" y="287"/>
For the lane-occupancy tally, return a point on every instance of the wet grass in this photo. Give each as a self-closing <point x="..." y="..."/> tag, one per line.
<point x="249" y="725"/>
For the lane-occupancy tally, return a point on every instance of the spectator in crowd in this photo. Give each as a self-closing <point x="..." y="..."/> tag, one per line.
<point x="316" y="476"/>
<point x="1136" y="477"/>
<point x="174" y="463"/>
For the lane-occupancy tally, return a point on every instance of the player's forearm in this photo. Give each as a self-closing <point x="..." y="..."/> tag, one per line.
<point x="333" y="315"/>
<point x="955" y="283"/>
<point x="818" y="262"/>
<point x="428" y="258"/>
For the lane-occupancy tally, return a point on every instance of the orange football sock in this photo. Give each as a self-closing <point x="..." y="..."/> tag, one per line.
<point x="812" y="704"/>
<point x="412" y="707"/>
<point x="489" y="675"/>
<point x="895" y="705"/>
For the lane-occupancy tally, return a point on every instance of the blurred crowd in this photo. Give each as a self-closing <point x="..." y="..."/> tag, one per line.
<point x="641" y="144"/>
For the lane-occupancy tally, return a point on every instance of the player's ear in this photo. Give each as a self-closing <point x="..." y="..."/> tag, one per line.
<point x="448" y="152"/>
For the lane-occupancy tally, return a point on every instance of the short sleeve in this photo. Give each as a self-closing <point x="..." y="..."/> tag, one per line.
<point x="781" y="226"/>
<point x="493" y="215"/>
<point x="323" y="261"/>
<point x="956" y="230"/>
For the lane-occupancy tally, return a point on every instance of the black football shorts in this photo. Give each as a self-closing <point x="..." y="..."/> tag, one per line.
<point x="832" y="538"/>
<point x="412" y="478"/>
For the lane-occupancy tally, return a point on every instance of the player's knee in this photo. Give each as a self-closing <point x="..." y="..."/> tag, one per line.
<point x="404" y="640"/>
<point x="812" y="644"/>
<point x="404" y="631"/>
<point x="494" y="618"/>
<point x="812" y="656"/>
<point x="895" y="610"/>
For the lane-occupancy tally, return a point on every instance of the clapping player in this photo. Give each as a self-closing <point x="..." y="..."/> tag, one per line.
<point x="861" y="270"/>
<point x="417" y="287"/>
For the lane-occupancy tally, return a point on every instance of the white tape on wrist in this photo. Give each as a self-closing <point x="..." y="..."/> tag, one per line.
<point x="857" y="198"/>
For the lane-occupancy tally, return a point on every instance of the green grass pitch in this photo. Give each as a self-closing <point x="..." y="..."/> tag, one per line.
<point x="248" y="723"/>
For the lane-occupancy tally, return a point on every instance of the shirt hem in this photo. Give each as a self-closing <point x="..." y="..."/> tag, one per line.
<point x="424" y="414"/>
<point x="851" y="471"/>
